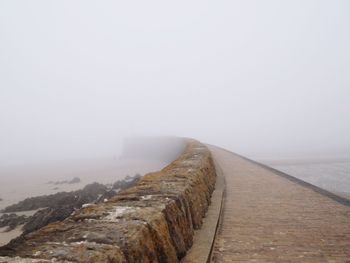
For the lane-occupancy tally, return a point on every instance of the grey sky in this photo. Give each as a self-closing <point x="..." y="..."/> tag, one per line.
<point x="257" y="77"/>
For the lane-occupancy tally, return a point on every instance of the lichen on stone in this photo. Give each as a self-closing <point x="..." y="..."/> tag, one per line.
<point x="153" y="221"/>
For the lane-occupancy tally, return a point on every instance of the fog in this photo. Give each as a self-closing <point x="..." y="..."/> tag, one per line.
<point x="260" y="78"/>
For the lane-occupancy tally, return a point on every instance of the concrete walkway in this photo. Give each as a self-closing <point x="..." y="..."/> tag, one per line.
<point x="268" y="218"/>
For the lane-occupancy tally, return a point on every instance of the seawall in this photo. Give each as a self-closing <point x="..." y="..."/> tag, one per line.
<point x="153" y="221"/>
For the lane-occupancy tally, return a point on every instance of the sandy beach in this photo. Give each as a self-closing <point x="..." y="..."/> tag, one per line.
<point x="18" y="183"/>
<point x="5" y="237"/>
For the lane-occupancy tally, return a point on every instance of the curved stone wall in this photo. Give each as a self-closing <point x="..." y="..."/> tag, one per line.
<point x="153" y="221"/>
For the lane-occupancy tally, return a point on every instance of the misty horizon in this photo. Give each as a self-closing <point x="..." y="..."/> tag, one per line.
<point x="260" y="78"/>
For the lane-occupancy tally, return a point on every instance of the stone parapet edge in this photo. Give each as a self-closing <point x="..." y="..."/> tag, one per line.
<point x="153" y="221"/>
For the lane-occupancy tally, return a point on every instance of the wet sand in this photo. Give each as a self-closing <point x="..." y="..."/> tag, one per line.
<point x="6" y="237"/>
<point x="18" y="183"/>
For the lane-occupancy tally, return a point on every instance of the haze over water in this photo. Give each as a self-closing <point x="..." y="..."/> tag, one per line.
<point x="330" y="174"/>
<point x="260" y="78"/>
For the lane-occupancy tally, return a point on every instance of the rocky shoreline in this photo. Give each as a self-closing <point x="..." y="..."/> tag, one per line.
<point x="75" y="180"/>
<point x="11" y="221"/>
<point x="57" y="207"/>
<point x="153" y="221"/>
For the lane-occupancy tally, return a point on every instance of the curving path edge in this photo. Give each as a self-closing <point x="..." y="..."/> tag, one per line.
<point x="271" y="218"/>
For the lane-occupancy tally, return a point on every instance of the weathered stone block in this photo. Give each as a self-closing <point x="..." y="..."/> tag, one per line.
<point x="153" y="221"/>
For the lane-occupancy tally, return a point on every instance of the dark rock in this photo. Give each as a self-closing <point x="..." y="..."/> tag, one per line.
<point x="58" y="207"/>
<point x="46" y="216"/>
<point x="75" y="199"/>
<point x="12" y="221"/>
<point x="94" y="192"/>
<point x="153" y="221"/>
<point x="126" y="183"/>
<point x="75" y="180"/>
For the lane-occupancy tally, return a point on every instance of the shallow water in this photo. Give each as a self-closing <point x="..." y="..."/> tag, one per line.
<point x="331" y="175"/>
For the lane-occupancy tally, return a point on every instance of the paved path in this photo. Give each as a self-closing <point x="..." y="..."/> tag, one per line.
<point x="268" y="218"/>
